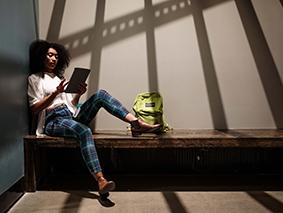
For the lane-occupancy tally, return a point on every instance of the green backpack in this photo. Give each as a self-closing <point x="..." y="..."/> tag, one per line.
<point x="148" y="106"/>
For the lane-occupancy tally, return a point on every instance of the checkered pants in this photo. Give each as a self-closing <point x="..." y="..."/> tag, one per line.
<point x="60" y="122"/>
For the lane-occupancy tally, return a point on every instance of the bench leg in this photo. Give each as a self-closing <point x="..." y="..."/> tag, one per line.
<point x="30" y="176"/>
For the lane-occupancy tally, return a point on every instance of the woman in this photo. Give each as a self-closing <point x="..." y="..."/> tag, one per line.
<point x="57" y="111"/>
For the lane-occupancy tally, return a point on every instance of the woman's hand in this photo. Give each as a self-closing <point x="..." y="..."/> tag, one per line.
<point x="61" y="87"/>
<point x="82" y="89"/>
<point x="47" y="100"/>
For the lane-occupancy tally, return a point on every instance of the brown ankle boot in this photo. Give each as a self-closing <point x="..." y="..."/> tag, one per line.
<point x="105" y="186"/>
<point x="138" y="127"/>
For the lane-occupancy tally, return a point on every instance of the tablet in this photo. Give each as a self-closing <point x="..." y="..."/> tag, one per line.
<point x="79" y="76"/>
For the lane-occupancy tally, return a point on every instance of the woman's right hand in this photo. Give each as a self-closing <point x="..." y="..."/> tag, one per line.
<point x="47" y="100"/>
<point x="61" y="87"/>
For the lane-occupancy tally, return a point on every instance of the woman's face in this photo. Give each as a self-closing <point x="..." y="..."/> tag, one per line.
<point x="51" y="59"/>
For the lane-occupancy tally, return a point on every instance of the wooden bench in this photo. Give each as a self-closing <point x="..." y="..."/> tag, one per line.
<point x="173" y="139"/>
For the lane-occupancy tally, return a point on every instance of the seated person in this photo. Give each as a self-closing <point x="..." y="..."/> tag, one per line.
<point x="57" y="112"/>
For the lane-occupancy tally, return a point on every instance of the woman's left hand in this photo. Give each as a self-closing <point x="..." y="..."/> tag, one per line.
<point x="82" y="89"/>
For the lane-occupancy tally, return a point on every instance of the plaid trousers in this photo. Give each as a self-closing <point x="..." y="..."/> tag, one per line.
<point x="60" y="122"/>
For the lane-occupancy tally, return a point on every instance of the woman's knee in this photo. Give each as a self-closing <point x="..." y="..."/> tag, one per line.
<point x="86" y="139"/>
<point x="101" y="93"/>
<point x="86" y="132"/>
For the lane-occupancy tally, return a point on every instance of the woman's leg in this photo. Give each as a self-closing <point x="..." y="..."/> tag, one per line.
<point x="70" y="128"/>
<point x="67" y="127"/>
<point x="103" y="99"/>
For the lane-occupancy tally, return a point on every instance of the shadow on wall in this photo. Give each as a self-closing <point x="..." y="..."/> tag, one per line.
<point x="13" y="104"/>
<point x="266" y="67"/>
<point x="152" y="16"/>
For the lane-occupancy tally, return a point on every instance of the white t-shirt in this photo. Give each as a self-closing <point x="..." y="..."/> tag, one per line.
<point x="41" y="85"/>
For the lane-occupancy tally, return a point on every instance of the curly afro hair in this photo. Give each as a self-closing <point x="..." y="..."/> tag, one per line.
<point x="37" y="55"/>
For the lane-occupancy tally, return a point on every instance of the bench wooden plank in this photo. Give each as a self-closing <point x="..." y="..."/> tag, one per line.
<point x="172" y="139"/>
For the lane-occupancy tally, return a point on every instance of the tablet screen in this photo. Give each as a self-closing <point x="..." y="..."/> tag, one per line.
<point x="79" y="76"/>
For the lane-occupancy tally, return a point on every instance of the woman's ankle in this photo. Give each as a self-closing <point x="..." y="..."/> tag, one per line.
<point x="99" y="176"/>
<point x="130" y="118"/>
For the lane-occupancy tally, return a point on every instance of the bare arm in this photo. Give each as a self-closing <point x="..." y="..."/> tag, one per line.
<point x="47" y="100"/>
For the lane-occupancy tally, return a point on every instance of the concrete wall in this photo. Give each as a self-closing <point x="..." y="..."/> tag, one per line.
<point x="217" y="63"/>
<point x="18" y="29"/>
